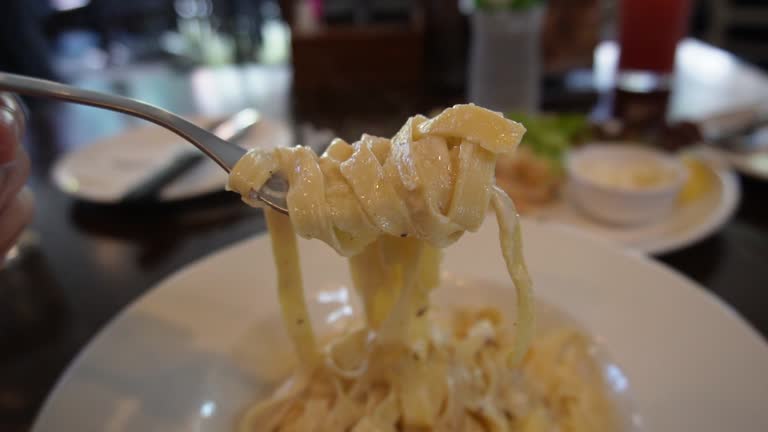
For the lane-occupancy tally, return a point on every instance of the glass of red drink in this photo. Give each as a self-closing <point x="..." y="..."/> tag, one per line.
<point x="649" y="31"/>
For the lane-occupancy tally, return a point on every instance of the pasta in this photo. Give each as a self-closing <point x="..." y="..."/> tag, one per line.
<point x="390" y="205"/>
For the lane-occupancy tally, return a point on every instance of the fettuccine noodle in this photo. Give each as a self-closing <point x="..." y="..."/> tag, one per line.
<point x="390" y="205"/>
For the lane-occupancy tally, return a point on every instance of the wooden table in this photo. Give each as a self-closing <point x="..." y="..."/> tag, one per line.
<point x="91" y="261"/>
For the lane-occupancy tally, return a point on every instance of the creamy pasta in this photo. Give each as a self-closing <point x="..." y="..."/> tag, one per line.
<point x="390" y="205"/>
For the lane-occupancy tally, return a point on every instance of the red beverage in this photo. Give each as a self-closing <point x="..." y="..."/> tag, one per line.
<point x="649" y="33"/>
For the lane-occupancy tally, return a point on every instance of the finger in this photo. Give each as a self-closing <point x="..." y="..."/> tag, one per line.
<point x="14" y="219"/>
<point x="4" y="250"/>
<point x="8" y="139"/>
<point x="11" y="103"/>
<point x="13" y="175"/>
<point x="11" y="126"/>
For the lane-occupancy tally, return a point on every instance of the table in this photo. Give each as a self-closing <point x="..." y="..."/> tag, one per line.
<point x="92" y="260"/>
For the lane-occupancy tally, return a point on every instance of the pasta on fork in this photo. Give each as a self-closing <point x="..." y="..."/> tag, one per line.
<point x="390" y="206"/>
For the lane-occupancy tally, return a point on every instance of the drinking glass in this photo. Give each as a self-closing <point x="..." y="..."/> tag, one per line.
<point x="505" y="59"/>
<point x="649" y="31"/>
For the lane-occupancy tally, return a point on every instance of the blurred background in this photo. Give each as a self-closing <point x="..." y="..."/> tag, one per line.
<point x="72" y="38"/>
<point x="418" y="48"/>
<point x="526" y="55"/>
<point x="674" y="75"/>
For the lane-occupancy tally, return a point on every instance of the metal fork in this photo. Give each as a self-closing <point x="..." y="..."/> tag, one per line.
<point x="220" y="151"/>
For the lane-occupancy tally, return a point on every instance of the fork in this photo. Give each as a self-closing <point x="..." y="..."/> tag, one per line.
<point x="224" y="153"/>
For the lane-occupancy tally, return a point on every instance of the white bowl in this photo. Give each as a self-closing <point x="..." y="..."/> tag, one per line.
<point x="624" y="184"/>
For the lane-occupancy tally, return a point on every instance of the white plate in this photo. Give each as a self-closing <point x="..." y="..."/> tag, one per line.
<point x="105" y="170"/>
<point x="752" y="164"/>
<point x="182" y="357"/>
<point x="687" y="224"/>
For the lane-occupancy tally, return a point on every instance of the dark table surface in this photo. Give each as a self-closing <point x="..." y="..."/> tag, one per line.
<point x="91" y="261"/>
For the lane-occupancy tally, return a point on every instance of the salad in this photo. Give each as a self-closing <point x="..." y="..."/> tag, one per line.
<point x="534" y="174"/>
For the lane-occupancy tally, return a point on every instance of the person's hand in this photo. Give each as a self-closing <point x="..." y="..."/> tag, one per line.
<point x="15" y="205"/>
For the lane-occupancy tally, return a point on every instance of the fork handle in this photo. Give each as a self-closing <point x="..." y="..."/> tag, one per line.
<point x="222" y="152"/>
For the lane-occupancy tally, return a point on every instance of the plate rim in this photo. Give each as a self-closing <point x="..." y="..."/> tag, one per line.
<point x="729" y="202"/>
<point x="59" y="176"/>
<point x="716" y="219"/>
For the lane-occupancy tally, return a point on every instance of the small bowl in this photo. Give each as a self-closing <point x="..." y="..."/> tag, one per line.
<point x="624" y="184"/>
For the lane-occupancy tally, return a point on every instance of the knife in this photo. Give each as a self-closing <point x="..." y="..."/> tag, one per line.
<point x="231" y="129"/>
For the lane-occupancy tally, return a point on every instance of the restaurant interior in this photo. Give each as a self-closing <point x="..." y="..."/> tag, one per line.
<point x="645" y="149"/>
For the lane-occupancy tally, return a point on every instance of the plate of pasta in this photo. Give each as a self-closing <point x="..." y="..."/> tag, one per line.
<point x="437" y="320"/>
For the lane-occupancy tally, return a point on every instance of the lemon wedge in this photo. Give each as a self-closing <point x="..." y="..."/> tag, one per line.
<point x="700" y="180"/>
